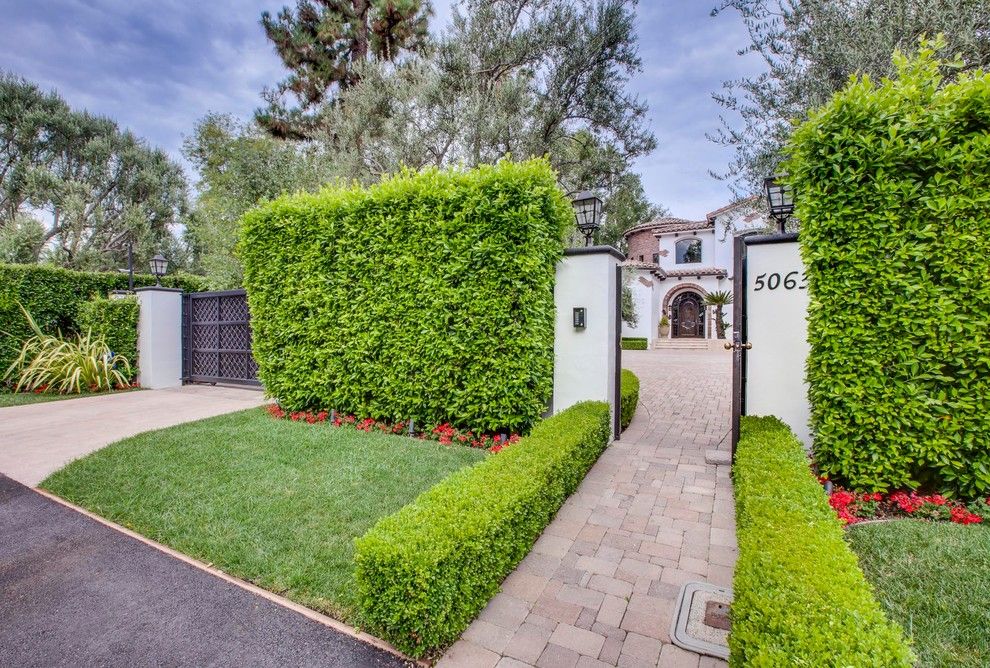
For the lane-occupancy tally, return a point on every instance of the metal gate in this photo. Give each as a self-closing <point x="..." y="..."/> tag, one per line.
<point x="216" y="338"/>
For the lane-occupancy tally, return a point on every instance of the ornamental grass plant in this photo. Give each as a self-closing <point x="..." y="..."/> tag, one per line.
<point x="49" y="363"/>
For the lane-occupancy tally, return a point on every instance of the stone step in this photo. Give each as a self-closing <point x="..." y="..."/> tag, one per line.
<point x="681" y="344"/>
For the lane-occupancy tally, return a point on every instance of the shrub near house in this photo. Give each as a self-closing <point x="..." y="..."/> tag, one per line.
<point x="428" y="296"/>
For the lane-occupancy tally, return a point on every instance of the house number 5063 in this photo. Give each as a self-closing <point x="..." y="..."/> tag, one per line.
<point x="790" y="281"/>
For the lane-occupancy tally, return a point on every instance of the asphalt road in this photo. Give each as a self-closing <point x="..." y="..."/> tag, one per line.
<point x="74" y="592"/>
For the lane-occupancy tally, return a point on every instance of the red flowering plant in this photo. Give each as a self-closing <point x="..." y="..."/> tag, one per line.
<point x="445" y="434"/>
<point x="853" y="507"/>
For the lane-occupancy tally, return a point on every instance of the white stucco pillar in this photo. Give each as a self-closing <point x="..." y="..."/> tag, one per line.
<point x="159" y="337"/>
<point x="586" y="360"/>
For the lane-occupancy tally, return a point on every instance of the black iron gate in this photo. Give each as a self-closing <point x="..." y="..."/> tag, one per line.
<point x="216" y="338"/>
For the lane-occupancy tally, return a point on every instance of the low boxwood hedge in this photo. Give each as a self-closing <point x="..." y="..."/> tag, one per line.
<point x="426" y="571"/>
<point x="629" y="397"/>
<point x="633" y="343"/>
<point x="800" y="598"/>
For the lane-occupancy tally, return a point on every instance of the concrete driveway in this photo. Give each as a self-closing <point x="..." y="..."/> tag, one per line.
<point x="74" y="592"/>
<point x="38" y="439"/>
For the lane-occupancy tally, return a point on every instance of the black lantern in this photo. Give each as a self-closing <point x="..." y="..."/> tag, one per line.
<point x="159" y="265"/>
<point x="587" y="212"/>
<point x="780" y="199"/>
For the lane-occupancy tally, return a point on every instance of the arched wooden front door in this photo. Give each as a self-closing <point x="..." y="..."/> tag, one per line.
<point x="688" y="316"/>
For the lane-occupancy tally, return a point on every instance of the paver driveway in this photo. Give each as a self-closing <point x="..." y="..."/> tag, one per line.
<point x="600" y="585"/>
<point x="38" y="439"/>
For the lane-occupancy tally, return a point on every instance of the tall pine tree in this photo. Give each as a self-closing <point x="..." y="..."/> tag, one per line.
<point x="321" y="42"/>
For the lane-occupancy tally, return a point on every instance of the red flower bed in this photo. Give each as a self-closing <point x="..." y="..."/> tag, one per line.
<point x="853" y="507"/>
<point x="444" y="434"/>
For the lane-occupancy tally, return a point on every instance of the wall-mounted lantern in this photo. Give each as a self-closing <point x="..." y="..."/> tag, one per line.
<point x="159" y="265"/>
<point x="580" y="320"/>
<point x="780" y="199"/>
<point x="587" y="214"/>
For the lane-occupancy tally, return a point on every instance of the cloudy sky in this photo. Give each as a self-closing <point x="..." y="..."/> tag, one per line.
<point x="158" y="66"/>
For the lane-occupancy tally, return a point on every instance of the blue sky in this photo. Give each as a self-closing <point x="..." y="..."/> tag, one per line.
<point x="158" y="66"/>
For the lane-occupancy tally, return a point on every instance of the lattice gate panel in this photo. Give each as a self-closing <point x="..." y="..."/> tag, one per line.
<point x="216" y="338"/>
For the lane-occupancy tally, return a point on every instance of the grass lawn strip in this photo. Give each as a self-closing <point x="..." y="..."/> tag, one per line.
<point x="274" y="502"/>
<point x="24" y="398"/>
<point x="934" y="580"/>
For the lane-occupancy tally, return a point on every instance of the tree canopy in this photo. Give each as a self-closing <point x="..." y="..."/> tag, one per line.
<point x="76" y="189"/>
<point x="811" y="48"/>
<point x="321" y="43"/>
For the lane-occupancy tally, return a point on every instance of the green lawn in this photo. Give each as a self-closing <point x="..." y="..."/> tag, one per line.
<point x="24" y="398"/>
<point x="934" y="580"/>
<point x="271" y="501"/>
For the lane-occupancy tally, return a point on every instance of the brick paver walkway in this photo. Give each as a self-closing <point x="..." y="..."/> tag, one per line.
<point x="599" y="586"/>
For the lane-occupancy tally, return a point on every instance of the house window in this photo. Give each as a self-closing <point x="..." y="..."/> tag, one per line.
<point x="656" y="258"/>
<point x="640" y="258"/>
<point x="688" y="251"/>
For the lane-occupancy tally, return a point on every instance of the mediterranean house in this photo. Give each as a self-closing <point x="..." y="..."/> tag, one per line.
<point x="672" y="264"/>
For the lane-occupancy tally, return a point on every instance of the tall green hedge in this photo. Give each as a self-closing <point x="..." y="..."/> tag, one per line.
<point x="799" y="597"/>
<point x="428" y="296"/>
<point x="425" y="572"/>
<point x="115" y="321"/>
<point x="893" y="194"/>
<point x="53" y="296"/>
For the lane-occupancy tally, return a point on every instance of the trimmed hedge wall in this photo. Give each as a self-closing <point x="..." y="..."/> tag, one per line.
<point x="893" y="194"/>
<point x="425" y="572"/>
<point x="53" y="296"/>
<point x="799" y="597"/>
<point x="115" y="321"/>
<point x="633" y="343"/>
<point x="427" y="296"/>
<point x="629" y="391"/>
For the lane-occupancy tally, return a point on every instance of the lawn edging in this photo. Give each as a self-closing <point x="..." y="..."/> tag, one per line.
<point x="628" y="397"/>
<point x="425" y="572"/>
<point x="799" y="596"/>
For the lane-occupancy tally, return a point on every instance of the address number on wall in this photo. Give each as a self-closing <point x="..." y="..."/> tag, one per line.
<point x="794" y="280"/>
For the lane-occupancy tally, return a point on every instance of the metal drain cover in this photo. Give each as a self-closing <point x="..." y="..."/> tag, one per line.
<point x="702" y="621"/>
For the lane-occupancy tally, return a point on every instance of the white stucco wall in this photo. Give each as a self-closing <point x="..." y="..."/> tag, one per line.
<point x="159" y="337"/>
<point x="643" y="303"/>
<point x="776" y="326"/>
<point x="585" y="359"/>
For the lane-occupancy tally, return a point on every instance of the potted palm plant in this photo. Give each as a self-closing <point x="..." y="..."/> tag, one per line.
<point x="719" y="300"/>
<point x="664" y="326"/>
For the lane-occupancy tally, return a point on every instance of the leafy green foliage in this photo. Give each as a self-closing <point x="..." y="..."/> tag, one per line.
<point x="428" y="296"/>
<point x="322" y="41"/>
<point x="54" y="296"/>
<point x="66" y="366"/>
<point x="239" y="165"/>
<point x="634" y="343"/>
<point x="811" y="48"/>
<point x="97" y="187"/>
<point x="114" y="321"/>
<point x="426" y="571"/>
<point x="628" y="397"/>
<point x="893" y="183"/>
<point x="799" y="597"/>
<point x="279" y="505"/>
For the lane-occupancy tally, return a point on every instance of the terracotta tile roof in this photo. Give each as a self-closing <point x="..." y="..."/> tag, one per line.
<point x="668" y="224"/>
<point x="700" y="271"/>
<point x="710" y="216"/>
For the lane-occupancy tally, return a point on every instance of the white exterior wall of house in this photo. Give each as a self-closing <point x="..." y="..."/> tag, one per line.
<point x="643" y="303"/>
<point x="717" y="234"/>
